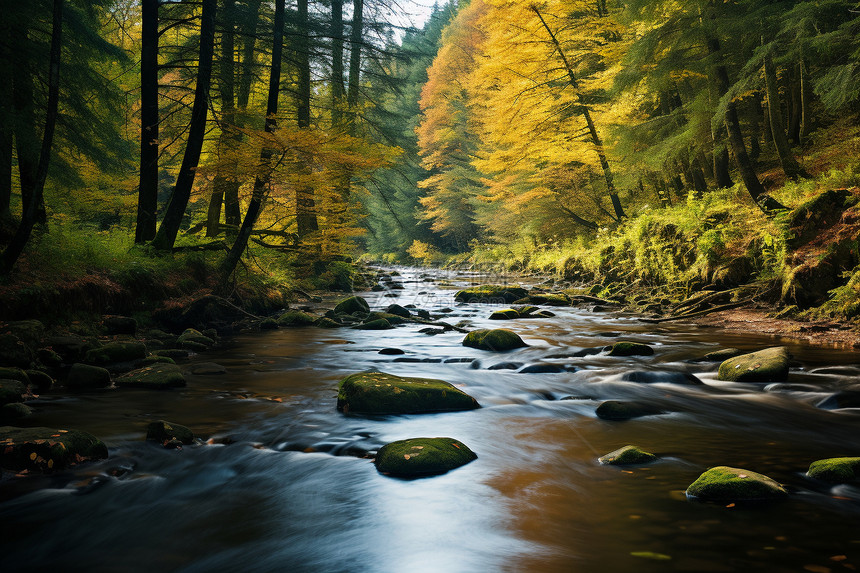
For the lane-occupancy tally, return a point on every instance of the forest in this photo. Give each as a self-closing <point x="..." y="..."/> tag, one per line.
<point x="624" y="145"/>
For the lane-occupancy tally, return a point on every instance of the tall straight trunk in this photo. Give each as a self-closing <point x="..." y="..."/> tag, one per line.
<point x="355" y="41"/>
<point x="804" y="102"/>
<point x="6" y="140"/>
<point x="722" y="174"/>
<point x="586" y="113"/>
<point x="261" y="181"/>
<point x="226" y="149"/>
<point x="733" y="125"/>
<point x="707" y="164"/>
<point x="789" y="164"/>
<point x="248" y="29"/>
<point x="755" y="126"/>
<point x="794" y="106"/>
<point x="166" y="236"/>
<point x="39" y="174"/>
<point x="337" y="91"/>
<point x="147" y="195"/>
<point x="306" y="218"/>
<point x="699" y="183"/>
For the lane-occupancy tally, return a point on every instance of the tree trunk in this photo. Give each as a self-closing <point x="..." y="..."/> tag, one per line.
<point x="147" y="195"/>
<point x="226" y="148"/>
<point x="699" y="183"/>
<point x="306" y="218"/>
<point x="706" y="164"/>
<point x="355" y="41"/>
<point x="733" y="126"/>
<point x="789" y="164"/>
<point x="795" y="111"/>
<point x="592" y="129"/>
<point x="755" y="126"/>
<point x="722" y="174"/>
<point x="166" y="236"/>
<point x="39" y="173"/>
<point x="804" y="102"/>
<point x="261" y="182"/>
<point x="7" y="222"/>
<point x="337" y="91"/>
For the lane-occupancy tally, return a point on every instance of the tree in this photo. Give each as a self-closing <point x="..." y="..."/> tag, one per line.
<point x="306" y="218"/>
<point x="147" y="204"/>
<point x="166" y="236"/>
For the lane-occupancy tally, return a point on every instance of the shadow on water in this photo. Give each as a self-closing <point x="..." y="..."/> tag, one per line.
<point x="294" y="488"/>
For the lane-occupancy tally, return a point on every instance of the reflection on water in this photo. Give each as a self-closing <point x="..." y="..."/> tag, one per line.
<point x="292" y="492"/>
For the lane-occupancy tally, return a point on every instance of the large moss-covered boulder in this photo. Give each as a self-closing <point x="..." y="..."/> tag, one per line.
<point x="11" y="391"/>
<point x="625" y="348"/>
<point x="293" y="318"/>
<point x="83" y="376"/>
<point x="627" y="456"/>
<point x="398" y="310"/>
<point x="155" y="377"/>
<point x="116" y="352"/>
<point x="39" y="380"/>
<point x="29" y="331"/>
<point x="418" y="457"/>
<point x="14" y="374"/>
<point x="72" y="348"/>
<point x="619" y="410"/>
<point x="505" y="314"/>
<point x="725" y="484"/>
<point x="10" y="413"/>
<point x="194" y="340"/>
<point x="381" y="393"/>
<point x="835" y="470"/>
<point x="165" y="432"/>
<point x="46" y="449"/>
<point x="14" y="352"/>
<point x="352" y="305"/>
<point x="768" y="365"/>
<point x="497" y="339"/>
<point x="491" y="294"/>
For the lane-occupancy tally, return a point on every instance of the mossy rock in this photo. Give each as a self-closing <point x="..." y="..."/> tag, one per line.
<point x="498" y="339"/>
<point x="46" y="449"/>
<point x="618" y="410"/>
<point x="295" y="318"/>
<point x="722" y="354"/>
<point x="725" y="484"/>
<point x="768" y="365"/>
<point x="29" y="331"/>
<point x="83" y="376"/>
<point x="194" y="340"/>
<point x="71" y="347"/>
<point x="626" y="456"/>
<point x="13" y="412"/>
<point x="399" y="311"/>
<point x="549" y="299"/>
<point x="11" y="391"/>
<point x="506" y="314"/>
<point x="14" y="352"/>
<point x="116" y="352"/>
<point x="392" y="319"/>
<point x="14" y="374"/>
<point x="163" y="432"/>
<point x="835" y="470"/>
<point x="119" y="325"/>
<point x="491" y="294"/>
<point x="42" y="381"/>
<point x="48" y="357"/>
<point x="418" y="457"/>
<point x="269" y="324"/>
<point x="352" y="305"/>
<point x="326" y="322"/>
<point x="154" y="359"/>
<point x="381" y="393"/>
<point x="630" y="349"/>
<point x="378" y="324"/>
<point x="156" y="377"/>
<point x="173" y="353"/>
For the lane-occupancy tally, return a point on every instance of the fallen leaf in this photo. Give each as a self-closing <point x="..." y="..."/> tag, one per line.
<point x="730" y="505"/>
<point x="33" y="456"/>
<point x="406" y="456"/>
<point x="817" y="568"/>
<point x="742" y="476"/>
<point x="455" y="445"/>
<point x="839" y="558"/>
<point x="50" y="464"/>
<point x="651" y="555"/>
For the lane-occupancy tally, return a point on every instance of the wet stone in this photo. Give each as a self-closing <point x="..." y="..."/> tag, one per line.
<point x="47" y="449"/>
<point x="543" y="369"/>
<point x="498" y="340"/>
<point x="381" y="393"/>
<point x="666" y="377"/>
<point x="156" y="377"/>
<point x="87" y="376"/>
<point x="505" y="366"/>
<point x="628" y="455"/>
<point x="618" y="410"/>
<point x="630" y="349"/>
<point x="419" y="457"/>
<point x="726" y="484"/>
<point x="207" y="369"/>
<point x="835" y="470"/>
<point x="392" y="352"/>
<point x="165" y="432"/>
<point x="768" y="365"/>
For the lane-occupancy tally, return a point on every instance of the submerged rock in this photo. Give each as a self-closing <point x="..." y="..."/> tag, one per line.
<point x="164" y="432"/>
<point x="378" y="324"/>
<point x="116" y="352"/>
<point x="156" y="377"/>
<point x="725" y="484"/>
<point x="381" y="393"/>
<point x="628" y="455"/>
<point x="768" y="365"/>
<point x="498" y="339"/>
<point x="506" y="366"/>
<point x="422" y="457"/>
<point x="544" y="369"/>
<point x="630" y="349"/>
<point x="491" y="294"/>
<point x="87" y="376"/>
<point x="835" y="470"/>
<point x="661" y="376"/>
<point x="352" y="305"/>
<point x="207" y="369"/>
<point x="625" y="410"/>
<point x="46" y="449"/>
<point x="843" y="399"/>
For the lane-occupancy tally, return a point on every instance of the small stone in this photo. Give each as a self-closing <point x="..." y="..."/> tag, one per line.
<point x="418" y="457"/>
<point x="835" y="470"/>
<point x="392" y="351"/>
<point x="195" y="340"/>
<point x="726" y="484"/>
<point x="506" y="314"/>
<point x="379" y="324"/>
<point x="768" y="365"/>
<point x="163" y="432"/>
<point x="352" y="305"/>
<point x="116" y="352"/>
<point x="628" y="455"/>
<point x="618" y="410"/>
<point x="630" y="349"/>
<point x="398" y="310"/>
<point x="498" y="340"/>
<point x="155" y="377"/>
<point x="87" y="376"/>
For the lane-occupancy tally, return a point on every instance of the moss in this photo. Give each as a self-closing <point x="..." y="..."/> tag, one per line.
<point x="174" y="353"/>
<point x="46" y="449"/>
<point x="162" y="431"/>
<point x="378" y="324"/>
<point x="14" y="374"/>
<point x="835" y="470"/>
<point x="725" y="484"/>
<point x="628" y="455"/>
<point x="768" y="365"/>
<point x="293" y="318"/>
<point x="14" y="411"/>
<point x="352" y="305"/>
<point x="87" y="376"/>
<point x="625" y="410"/>
<point x="156" y="377"/>
<point x="506" y="314"/>
<point x="11" y="391"/>
<point x="422" y="456"/>
<point x="498" y="339"/>
<point x="155" y="359"/>
<point x="491" y="294"/>
<point x="194" y="340"/>
<point x="722" y="354"/>
<point x="268" y="324"/>
<point x="381" y="393"/>
<point x="392" y="319"/>
<point x="325" y="322"/>
<point x="630" y="349"/>
<point x="116" y="352"/>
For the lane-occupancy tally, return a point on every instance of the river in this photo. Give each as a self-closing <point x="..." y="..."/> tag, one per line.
<point x="282" y="486"/>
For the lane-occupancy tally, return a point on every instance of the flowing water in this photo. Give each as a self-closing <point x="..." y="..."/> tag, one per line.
<point x="290" y="492"/>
